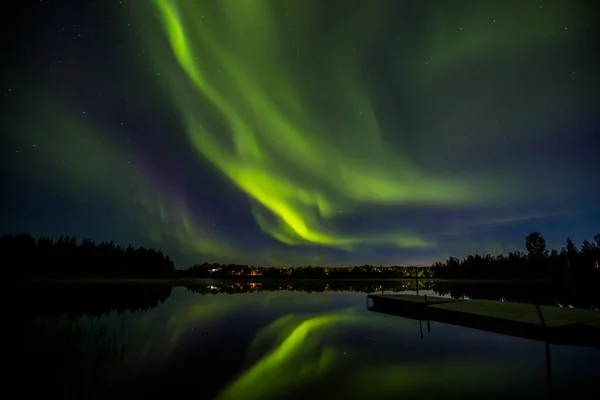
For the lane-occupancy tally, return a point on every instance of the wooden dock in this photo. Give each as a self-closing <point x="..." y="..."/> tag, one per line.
<point x="548" y="324"/>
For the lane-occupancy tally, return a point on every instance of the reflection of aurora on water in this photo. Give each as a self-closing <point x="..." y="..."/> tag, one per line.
<point x="305" y="353"/>
<point x="270" y="345"/>
<point x="298" y="341"/>
<point x="296" y="350"/>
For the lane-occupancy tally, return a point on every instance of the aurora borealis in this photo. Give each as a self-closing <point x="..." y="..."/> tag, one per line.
<point x="302" y="131"/>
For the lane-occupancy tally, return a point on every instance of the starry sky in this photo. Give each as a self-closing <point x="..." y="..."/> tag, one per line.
<point x="300" y="132"/>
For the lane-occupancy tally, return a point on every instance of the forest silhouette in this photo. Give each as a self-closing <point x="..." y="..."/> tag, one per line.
<point x="571" y="262"/>
<point x="67" y="258"/>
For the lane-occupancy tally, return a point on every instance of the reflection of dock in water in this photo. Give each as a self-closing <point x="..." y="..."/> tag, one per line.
<point x="548" y="324"/>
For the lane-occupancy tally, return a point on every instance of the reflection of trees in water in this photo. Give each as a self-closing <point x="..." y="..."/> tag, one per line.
<point x="95" y="299"/>
<point x="580" y="294"/>
<point x="214" y="287"/>
<point x="92" y="299"/>
<point x="68" y="357"/>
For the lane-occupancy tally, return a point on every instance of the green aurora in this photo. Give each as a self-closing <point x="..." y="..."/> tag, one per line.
<point x="342" y="133"/>
<point x="241" y="79"/>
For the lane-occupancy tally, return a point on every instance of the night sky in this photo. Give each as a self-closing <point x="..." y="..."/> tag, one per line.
<point x="296" y="132"/>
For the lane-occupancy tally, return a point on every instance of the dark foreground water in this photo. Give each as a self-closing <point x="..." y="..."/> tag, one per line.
<point x="258" y="344"/>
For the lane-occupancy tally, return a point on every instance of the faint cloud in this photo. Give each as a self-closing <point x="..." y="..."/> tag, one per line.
<point x="520" y="218"/>
<point x="465" y="232"/>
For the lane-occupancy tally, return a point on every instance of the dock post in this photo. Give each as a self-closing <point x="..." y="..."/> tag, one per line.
<point x="548" y="357"/>
<point x="548" y="365"/>
<point x="539" y="311"/>
<point x="427" y="312"/>
<point x="421" y="328"/>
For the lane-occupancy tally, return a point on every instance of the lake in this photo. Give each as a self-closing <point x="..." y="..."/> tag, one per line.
<point x="278" y="340"/>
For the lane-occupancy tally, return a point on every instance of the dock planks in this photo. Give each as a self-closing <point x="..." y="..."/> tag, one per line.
<point x="556" y="325"/>
<point x="526" y="313"/>
<point x="418" y="299"/>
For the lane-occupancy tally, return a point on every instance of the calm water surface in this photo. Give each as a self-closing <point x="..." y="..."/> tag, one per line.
<point x="285" y="345"/>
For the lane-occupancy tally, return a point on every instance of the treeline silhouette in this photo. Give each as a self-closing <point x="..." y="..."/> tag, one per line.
<point x="309" y="272"/>
<point x="68" y="258"/>
<point x="571" y="262"/>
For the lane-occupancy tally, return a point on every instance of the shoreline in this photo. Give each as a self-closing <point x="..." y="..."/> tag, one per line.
<point x="191" y="281"/>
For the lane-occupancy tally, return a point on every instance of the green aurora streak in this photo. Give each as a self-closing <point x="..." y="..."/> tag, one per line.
<point x="300" y="168"/>
<point x="290" y="116"/>
<point x="303" y="166"/>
